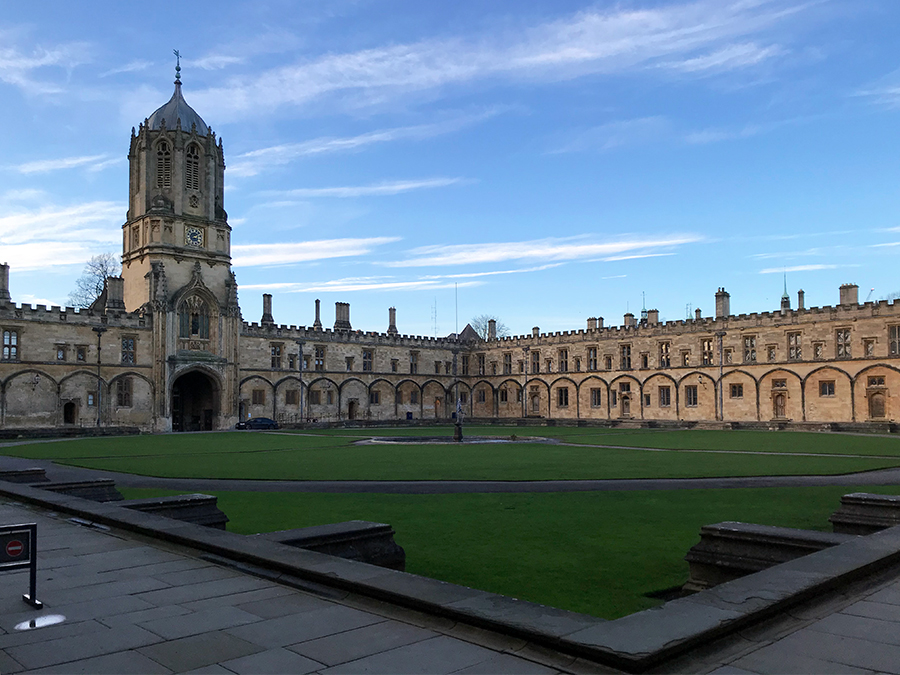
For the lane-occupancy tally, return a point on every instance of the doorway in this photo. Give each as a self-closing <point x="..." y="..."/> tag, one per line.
<point x="626" y="406"/>
<point x="69" y="412"/>
<point x="876" y="406"/>
<point x="352" y="409"/>
<point x="194" y="402"/>
<point x="437" y="408"/>
<point x="780" y="404"/>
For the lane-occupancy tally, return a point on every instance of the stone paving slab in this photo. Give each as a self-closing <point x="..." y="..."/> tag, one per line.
<point x="294" y="628"/>
<point x="194" y="623"/>
<point x="273" y="662"/>
<point x="199" y="650"/>
<point x="75" y="648"/>
<point x="360" y="642"/>
<point x="124" y="663"/>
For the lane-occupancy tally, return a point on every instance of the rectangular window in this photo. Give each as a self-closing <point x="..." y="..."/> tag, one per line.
<point x="81" y="354"/>
<point x="60" y="352"/>
<point x="448" y="367"/>
<point x="869" y="347"/>
<point x="728" y="355"/>
<point x="329" y="397"/>
<point x="645" y="360"/>
<point x="504" y="396"/>
<point x="664" y="358"/>
<point x="770" y="353"/>
<point x="562" y="397"/>
<point x="577" y="365"/>
<point x="127" y="350"/>
<point x="624" y="387"/>
<point x="685" y="357"/>
<point x="305" y="363"/>
<point x="795" y="351"/>
<point x="665" y="397"/>
<point x="563" y="360"/>
<point x="374" y="397"/>
<point x="521" y="366"/>
<point x="548" y="366"/>
<point x="842" y="343"/>
<point x="612" y="398"/>
<point x="258" y="397"/>
<point x="592" y="358"/>
<point x="368" y="359"/>
<point x="518" y="395"/>
<point x="123" y="392"/>
<point x="292" y="396"/>
<point x="10" y="345"/>
<point x="465" y="364"/>
<point x="607" y="362"/>
<point x="481" y="370"/>
<point x="749" y="349"/>
<point x="707" y="346"/>
<point x="737" y="391"/>
<point x="690" y="395"/>
<point x="779" y="384"/>
<point x="894" y="340"/>
<point x="493" y="367"/>
<point x="320" y="358"/>
<point x="481" y="396"/>
<point x="315" y="397"/>
<point x="292" y="361"/>
<point x="437" y="367"/>
<point x="507" y="364"/>
<point x="276" y="357"/>
<point x="876" y="381"/>
<point x="818" y="350"/>
<point x="349" y="361"/>
<point x="595" y="397"/>
<point x="646" y="400"/>
<point x="625" y="357"/>
<point x="826" y="388"/>
<point x="463" y="397"/>
<point x="535" y="362"/>
<point x="90" y="400"/>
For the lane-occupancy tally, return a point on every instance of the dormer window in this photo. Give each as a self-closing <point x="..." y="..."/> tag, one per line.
<point x="163" y="166"/>
<point x="192" y="168"/>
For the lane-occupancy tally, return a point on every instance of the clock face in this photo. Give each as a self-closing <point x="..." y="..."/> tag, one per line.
<point x="193" y="236"/>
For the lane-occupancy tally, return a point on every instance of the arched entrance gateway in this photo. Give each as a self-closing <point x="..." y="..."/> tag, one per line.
<point x="195" y="402"/>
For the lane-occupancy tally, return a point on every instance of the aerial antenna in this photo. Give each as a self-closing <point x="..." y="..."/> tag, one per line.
<point x="434" y="317"/>
<point x="456" y="296"/>
<point x="643" y="306"/>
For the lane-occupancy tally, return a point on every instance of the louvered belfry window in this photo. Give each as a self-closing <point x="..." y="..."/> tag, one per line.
<point x="192" y="168"/>
<point x="163" y="166"/>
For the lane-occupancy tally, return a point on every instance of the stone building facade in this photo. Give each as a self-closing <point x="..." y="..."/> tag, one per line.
<point x="165" y="346"/>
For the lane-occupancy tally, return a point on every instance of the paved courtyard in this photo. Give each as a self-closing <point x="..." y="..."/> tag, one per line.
<point x="136" y="606"/>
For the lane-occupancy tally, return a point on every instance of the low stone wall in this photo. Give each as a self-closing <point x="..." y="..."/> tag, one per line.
<point x="193" y="508"/>
<point x="865" y="513"/>
<point x="732" y="550"/>
<point x="67" y="432"/>
<point x="358" y="540"/>
<point x="101" y="490"/>
<point x="29" y="476"/>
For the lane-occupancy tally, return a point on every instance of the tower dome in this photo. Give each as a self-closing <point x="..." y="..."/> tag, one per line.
<point x="177" y="109"/>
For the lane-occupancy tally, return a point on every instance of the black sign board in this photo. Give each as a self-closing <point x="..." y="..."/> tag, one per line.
<point x="18" y="549"/>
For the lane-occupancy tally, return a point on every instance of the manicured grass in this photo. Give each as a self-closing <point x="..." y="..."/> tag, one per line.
<point x="598" y="553"/>
<point x="331" y="456"/>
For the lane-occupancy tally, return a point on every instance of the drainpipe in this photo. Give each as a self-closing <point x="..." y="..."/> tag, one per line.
<point x="99" y="330"/>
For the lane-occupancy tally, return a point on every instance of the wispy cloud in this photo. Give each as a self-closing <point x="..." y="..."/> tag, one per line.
<point x="362" y="284"/>
<point x="377" y="190"/>
<point x="618" y="134"/>
<point x="256" y="161"/>
<point x="216" y="61"/>
<point x="692" y="38"/>
<point x="131" y="67"/>
<point x="802" y="268"/>
<point x="45" y="165"/>
<point x="91" y="221"/>
<point x="288" y="253"/>
<point x="47" y="255"/>
<point x="17" y="68"/>
<point x="542" y="249"/>
<point x="469" y="275"/>
<point x="705" y="136"/>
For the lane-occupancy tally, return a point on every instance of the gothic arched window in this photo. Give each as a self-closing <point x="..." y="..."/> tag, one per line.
<point x="163" y="166"/>
<point x="192" y="168"/>
<point x="193" y="319"/>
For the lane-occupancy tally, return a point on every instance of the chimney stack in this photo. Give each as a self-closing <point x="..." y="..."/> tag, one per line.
<point x="392" y="321"/>
<point x="267" y="319"/>
<point x="697" y="315"/>
<point x="4" y="284"/>
<point x="723" y="303"/>
<point x="652" y="317"/>
<point x="535" y="332"/>
<point x="342" y="316"/>
<point x="592" y="324"/>
<point x="800" y="299"/>
<point x="492" y="329"/>
<point x="115" y="294"/>
<point x="849" y="294"/>
<point x="317" y="324"/>
<point x="599" y="322"/>
<point x="629" y="320"/>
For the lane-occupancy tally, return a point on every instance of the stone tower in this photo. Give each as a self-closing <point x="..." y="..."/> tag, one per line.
<point x="176" y="265"/>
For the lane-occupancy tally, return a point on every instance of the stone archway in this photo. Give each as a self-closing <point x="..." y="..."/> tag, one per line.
<point x="70" y="412"/>
<point x="195" y="402"/>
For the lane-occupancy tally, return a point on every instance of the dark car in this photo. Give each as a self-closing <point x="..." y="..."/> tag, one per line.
<point x="257" y="423"/>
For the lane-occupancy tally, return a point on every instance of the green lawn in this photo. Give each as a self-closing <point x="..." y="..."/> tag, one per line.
<point x="331" y="456"/>
<point x="598" y="553"/>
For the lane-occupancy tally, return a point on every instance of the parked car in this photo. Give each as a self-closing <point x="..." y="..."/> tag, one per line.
<point x="257" y="423"/>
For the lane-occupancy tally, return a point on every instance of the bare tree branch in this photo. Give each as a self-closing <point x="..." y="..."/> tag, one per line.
<point x="89" y="285"/>
<point x="480" y="325"/>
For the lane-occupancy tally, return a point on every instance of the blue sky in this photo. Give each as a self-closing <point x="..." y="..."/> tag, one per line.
<point x="548" y="161"/>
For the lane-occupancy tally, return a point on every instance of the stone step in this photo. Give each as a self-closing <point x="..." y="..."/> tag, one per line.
<point x="193" y="508"/>
<point x="28" y="476"/>
<point x="100" y="490"/>
<point x="865" y="513"/>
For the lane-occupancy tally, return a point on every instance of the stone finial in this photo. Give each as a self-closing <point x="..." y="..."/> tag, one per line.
<point x="267" y="318"/>
<point x="392" y="321"/>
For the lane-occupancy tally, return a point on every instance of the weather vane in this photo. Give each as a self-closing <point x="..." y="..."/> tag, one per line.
<point x="177" y="64"/>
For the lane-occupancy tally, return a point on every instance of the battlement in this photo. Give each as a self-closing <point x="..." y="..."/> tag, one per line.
<point x="71" y="315"/>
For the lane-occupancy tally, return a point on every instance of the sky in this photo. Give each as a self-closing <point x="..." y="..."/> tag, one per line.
<point x="542" y="161"/>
